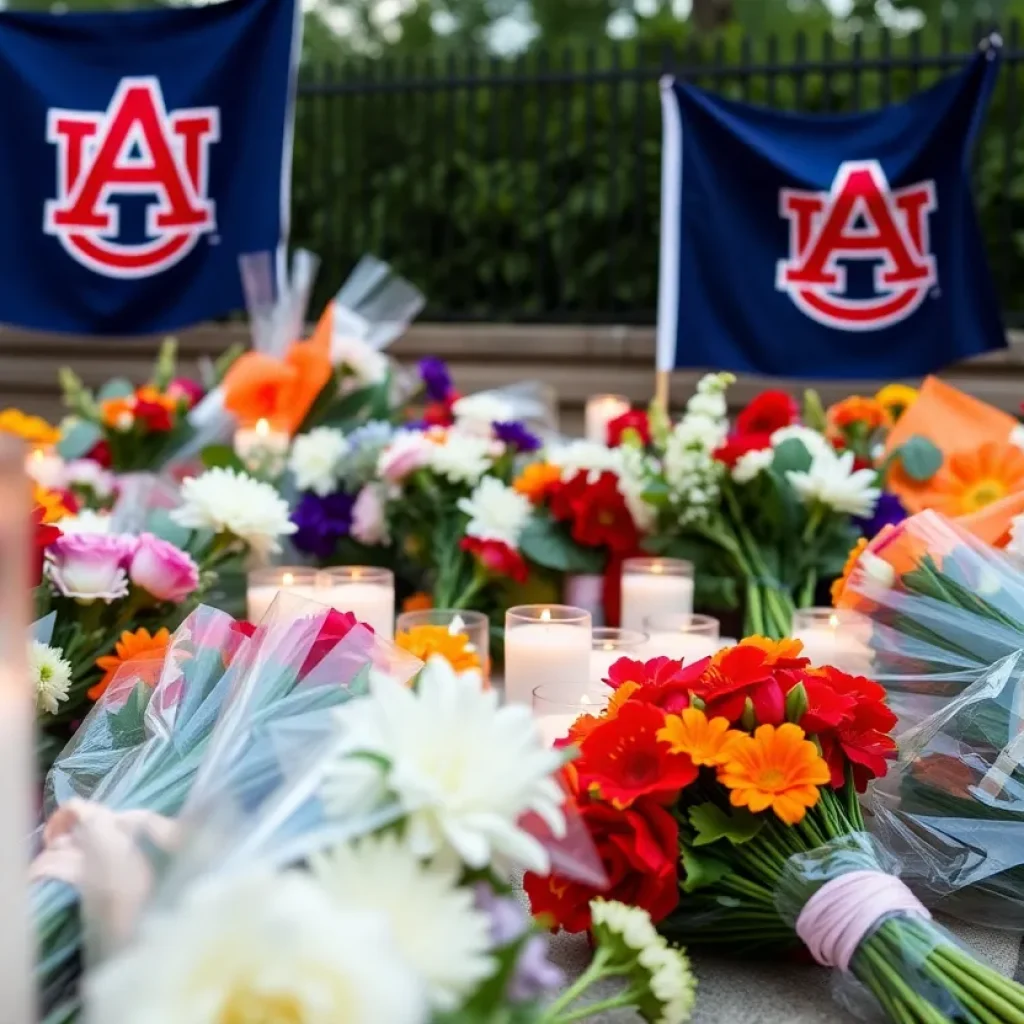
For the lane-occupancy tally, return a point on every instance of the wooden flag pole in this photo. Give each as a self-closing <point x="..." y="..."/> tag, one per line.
<point x="662" y="380"/>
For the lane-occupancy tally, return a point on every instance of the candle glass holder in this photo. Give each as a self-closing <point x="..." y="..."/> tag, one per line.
<point x="834" y="636"/>
<point x="264" y="585"/>
<point x="557" y="705"/>
<point x="608" y="645"/>
<point x="368" y="591"/>
<point x="682" y="635"/>
<point x="460" y="636"/>
<point x="545" y="643"/>
<point x="599" y="412"/>
<point x="652" y="586"/>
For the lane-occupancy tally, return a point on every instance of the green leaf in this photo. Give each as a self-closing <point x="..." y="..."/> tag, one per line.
<point x="380" y="399"/>
<point x="791" y="455"/>
<point x="546" y="543"/>
<point x="78" y="440"/>
<point x="116" y="387"/>
<point x="920" y="458"/>
<point x="221" y="456"/>
<point x="712" y="824"/>
<point x="126" y="725"/>
<point x="702" y="871"/>
<point x="161" y="525"/>
<point x="814" y="412"/>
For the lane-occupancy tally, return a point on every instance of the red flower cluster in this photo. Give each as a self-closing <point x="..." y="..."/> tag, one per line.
<point x="596" y="512"/>
<point x="738" y="445"/>
<point x="440" y="414"/>
<point x="335" y="627"/>
<point x="497" y="558"/>
<point x="635" y="420"/>
<point x="43" y="536"/>
<point x="768" y="412"/>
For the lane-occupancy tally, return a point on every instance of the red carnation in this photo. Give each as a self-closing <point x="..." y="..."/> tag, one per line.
<point x="100" y="453"/>
<point x="738" y="445"/>
<point x="186" y="390"/>
<point x="439" y="414"/>
<point x="497" y="558"/>
<point x="768" y="412"/>
<point x="638" y="848"/>
<point x="663" y="682"/>
<point x="635" y="419"/>
<point x="156" y="417"/>
<point x="624" y="760"/>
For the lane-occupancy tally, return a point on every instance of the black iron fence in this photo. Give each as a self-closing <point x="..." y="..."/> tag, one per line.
<point x="530" y="189"/>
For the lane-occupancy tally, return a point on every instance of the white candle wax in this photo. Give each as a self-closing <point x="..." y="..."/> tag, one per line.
<point x="260" y="597"/>
<point x="372" y="603"/>
<point x="542" y="653"/>
<point x="647" y="594"/>
<point x="602" y="659"/>
<point x="687" y="647"/>
<point x="600" y="411"/>
<point x="835" y="646"/>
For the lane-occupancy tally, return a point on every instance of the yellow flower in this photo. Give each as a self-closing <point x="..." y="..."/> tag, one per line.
<point x="33" y="429"/>
<point x="777" y="768"/>
<point x="896" y="399"/>
<point x="455" y="648"/>
<point x="51" y="503"/>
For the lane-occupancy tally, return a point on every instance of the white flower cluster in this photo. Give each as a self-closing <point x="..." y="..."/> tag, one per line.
<point x="227" y="501"/>
<point x="50" y="673"/>
<point x="496" y="512"/>
<point x="577" y="456"/>
<point x="832" y="482"/>
<point x="750" y="465"/>
<point x="316" y="458"/>
<point x="691" y="471"/>
<point x="662" y="970"/>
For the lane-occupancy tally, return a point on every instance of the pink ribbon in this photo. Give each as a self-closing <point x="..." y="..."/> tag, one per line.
<point x="836" y="919"/>
<point x="97" y="850"/>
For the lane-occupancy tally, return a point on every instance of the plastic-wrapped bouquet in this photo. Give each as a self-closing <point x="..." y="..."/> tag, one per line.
<point x="722" y="797"/>
<point x="360" y="877"/>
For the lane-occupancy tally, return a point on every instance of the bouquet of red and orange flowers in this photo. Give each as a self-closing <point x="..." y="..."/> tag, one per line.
<point x="723" y="798"/>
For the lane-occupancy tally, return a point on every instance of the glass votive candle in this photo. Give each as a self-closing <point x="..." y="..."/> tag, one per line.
<point x="557" y="705"/>
<point x="653" y="586"/>
<point x="608" y="645"/>
<point x="545" y="644"/>
<point x="836" y="637"/>
<point x="265" y="584"/>
<point x="600" y="411"/>
<point x="460" y="636"/>
<point x="683" y="636"/>
<point x="367" y="591"/>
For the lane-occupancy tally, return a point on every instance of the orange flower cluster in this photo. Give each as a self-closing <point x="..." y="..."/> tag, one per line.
<point x="148" y="407"/>
<point x="455" y="648"/>
<point x="144" y="652"/>
<point x="754" y="727"/>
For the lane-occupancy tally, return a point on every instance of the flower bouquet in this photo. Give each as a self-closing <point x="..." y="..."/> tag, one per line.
<point x="377" y="844"/>
<point x="722" y="797"/>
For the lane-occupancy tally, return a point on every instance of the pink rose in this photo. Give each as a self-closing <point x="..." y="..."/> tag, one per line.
<point x="368" y="523"/>
<point x="163" y="569"/>
<point x="190" y="390"/>
<point x="406" y="453"/>
<point x="90" y="566"/>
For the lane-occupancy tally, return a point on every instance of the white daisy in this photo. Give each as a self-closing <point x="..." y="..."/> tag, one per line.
<point x="50" y="673"/>
<point x="227" y="501"/>
<point x="463" y="458"/>
<point x="259" y="947"/>
<point x="315" y="460"/>
<point x="832" y="481"/>
<point x="436" y="925"/>
<point x="464" y="769"/>
<point x="496" y="512"/>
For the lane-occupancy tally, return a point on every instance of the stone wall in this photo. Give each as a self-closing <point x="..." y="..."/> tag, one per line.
<point x="574" y="361"/>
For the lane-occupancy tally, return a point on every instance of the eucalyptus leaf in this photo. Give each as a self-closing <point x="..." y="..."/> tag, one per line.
<point x="78" y="440"/>
<point x="921" y="459"/>
<point x="116" y="387"/>
<point x="791" y="456"/>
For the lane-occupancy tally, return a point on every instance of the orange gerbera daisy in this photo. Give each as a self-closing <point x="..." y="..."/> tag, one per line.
<point x="143" y="652"/>
<point x="971" y="480"/>
<point x="33" y="429"/>
<point x="418" y="602"/>
<point x="839" y="584"/>
<point x="705" y="739"/>
<point x="51" y="503"/>
<point x="858" y="409"/>
<point x="537" y="480"/>
<point x="777" y="768"/>
<point x="586" y="724"/>
<point x="455" y="648"/>
<point x="775" y="651"/>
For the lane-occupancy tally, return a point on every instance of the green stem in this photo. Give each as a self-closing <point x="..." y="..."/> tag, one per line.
<point x="582" y="983"/>
<point x="626" y="998"/>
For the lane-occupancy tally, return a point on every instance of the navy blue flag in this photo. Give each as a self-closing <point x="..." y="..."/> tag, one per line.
<point x="824" y="246"/>
<point x="144" y="152"/>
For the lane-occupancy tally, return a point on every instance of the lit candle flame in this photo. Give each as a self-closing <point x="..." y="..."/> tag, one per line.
<point x="288" y="579"/>
<point x="38" y="454"/>
<point x="833" y="621"/>
<point x="456" y="626"/>
<point x="262" y="428"/>
<point x="608" y="646"/>
<point x="657" y="567"/>
<point x="545" y="616"/>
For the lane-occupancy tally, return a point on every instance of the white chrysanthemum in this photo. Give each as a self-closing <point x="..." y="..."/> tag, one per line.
<point x="316" y="458"/>
<point x="259" y="947"/>
<point x="752" y="464"/>
<point x="814" y="442"/>
<point x="475" y="413"/>
<point x="463" y="458"/>
<point x="50" y="673"/>
<point x="496" y="512"/>
<point x="832" y="481"/>
<point x="436" y="925"/>
<point x="228" y="501"/>
<point x="580" y="455"/>
<point x="86" y="521"/>
<point x="464" y="768"/>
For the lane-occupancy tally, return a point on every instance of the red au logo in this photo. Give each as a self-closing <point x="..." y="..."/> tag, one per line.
<point x="861" y="218"/>
<point x="135" y="147"/>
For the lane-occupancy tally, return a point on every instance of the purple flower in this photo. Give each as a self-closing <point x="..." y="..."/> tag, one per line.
<point x="436" y="379"/>
<point x="322" y="522"/>
<point x="515" y="435"/>
<point x="888" y="512"/>
<point x="534" y="974"/>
